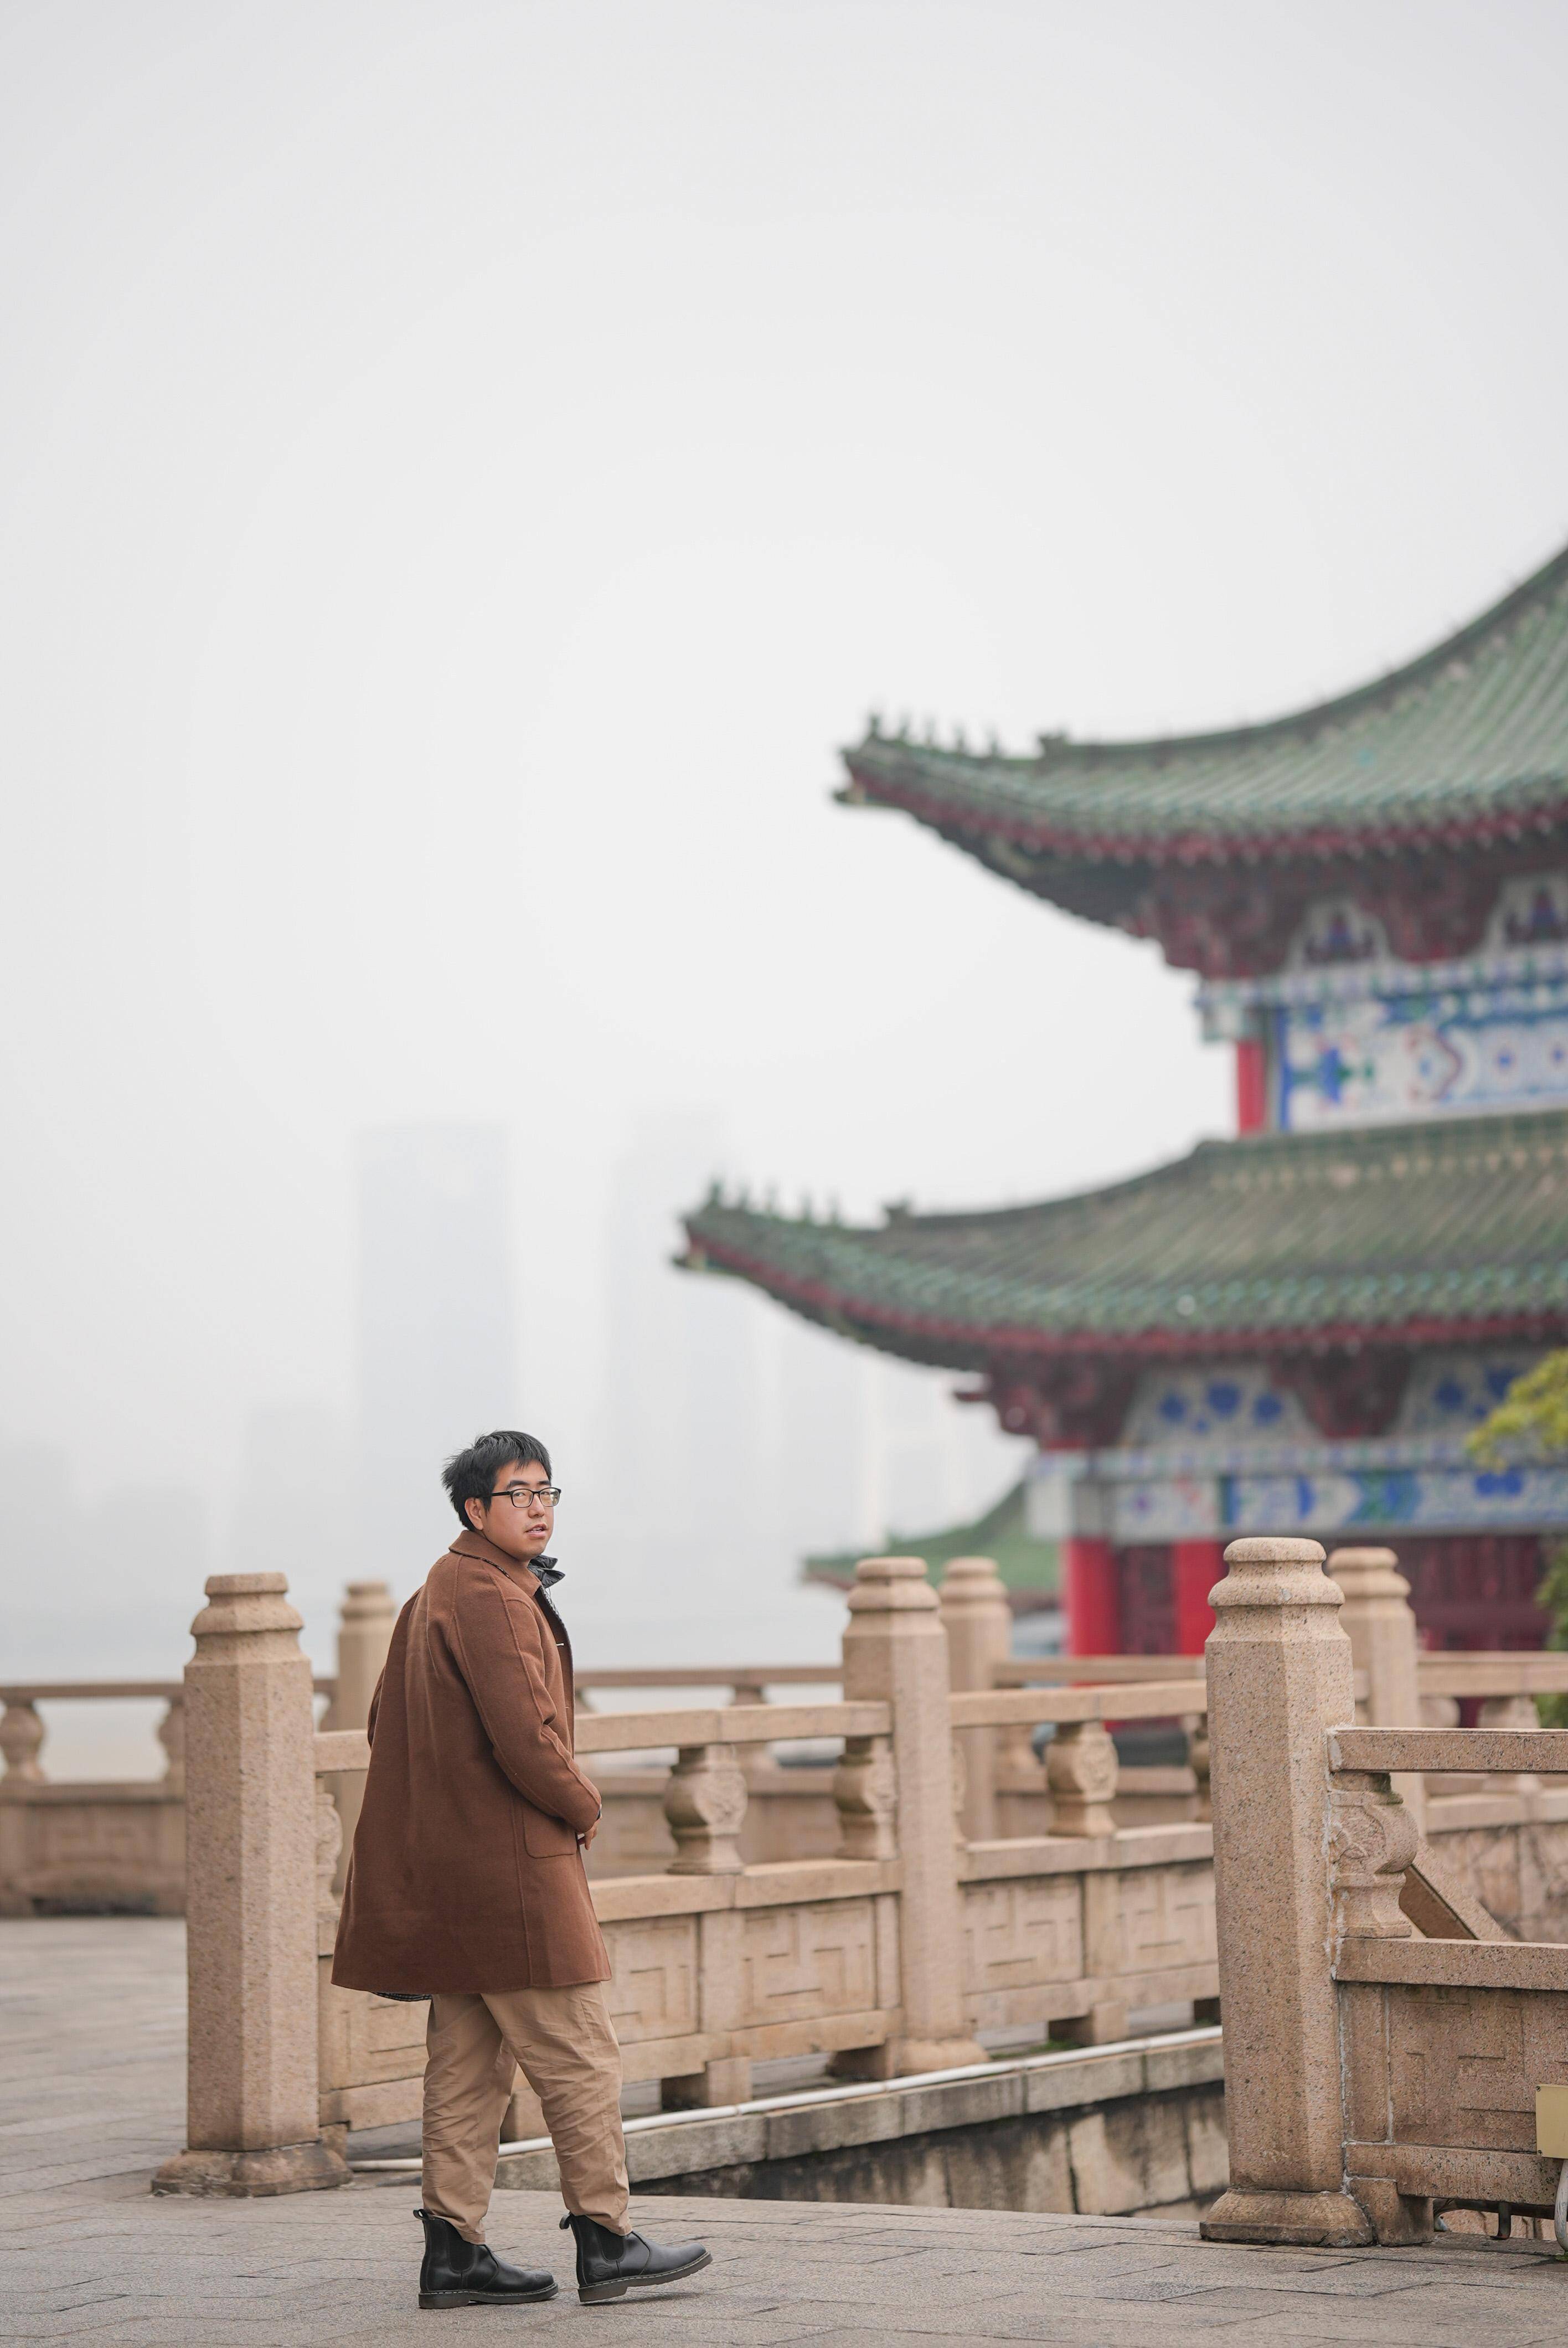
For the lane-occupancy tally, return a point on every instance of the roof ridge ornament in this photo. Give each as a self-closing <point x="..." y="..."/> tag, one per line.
<point x="1213" y="843"/>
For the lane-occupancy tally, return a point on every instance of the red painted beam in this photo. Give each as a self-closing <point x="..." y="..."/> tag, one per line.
<point x="1195" y="1566"/>
<point x="1251" y="1085"/>
<point x="1092" y="1600"/>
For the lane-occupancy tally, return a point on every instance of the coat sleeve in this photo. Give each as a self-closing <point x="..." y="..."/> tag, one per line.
<point x="498" y="1653"/>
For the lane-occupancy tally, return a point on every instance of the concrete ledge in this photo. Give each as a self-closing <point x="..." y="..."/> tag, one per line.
<point x="825" y="2127"/>
<point x="835" y="2120"/>
<point x="1096" y="2079"/>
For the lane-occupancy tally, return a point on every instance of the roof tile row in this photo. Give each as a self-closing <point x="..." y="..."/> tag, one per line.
<point x="1288" y="1236"/>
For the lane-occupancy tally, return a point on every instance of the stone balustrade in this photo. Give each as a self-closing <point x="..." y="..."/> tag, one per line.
<point x="1384" y="2037"/>
<point x="97" y="1845"/>
<point x="916" y="1928"/>
<point x="121" y="1846"/>
<point x="75" y="1844"/>
<point x="887" y="1955"/>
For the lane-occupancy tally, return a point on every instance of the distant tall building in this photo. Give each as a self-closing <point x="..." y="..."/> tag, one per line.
<point x="435" y="1327"/>
<point x="735" y="1444"/>
<point x="107" y="1584"/>
<point x="294" y="1512"/>
<point x="682" y="1397"/>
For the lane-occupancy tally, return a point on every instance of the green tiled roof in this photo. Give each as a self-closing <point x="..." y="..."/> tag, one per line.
<point x="1424" y="1231"/>
<point x="1473" y="733"/>
<point x="1023" y="1560"/>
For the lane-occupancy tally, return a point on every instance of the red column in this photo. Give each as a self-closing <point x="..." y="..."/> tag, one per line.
<point x="1089" y="1588"/>
<point x="1251" y="1086"/>
<point x="1195" y="1566"/>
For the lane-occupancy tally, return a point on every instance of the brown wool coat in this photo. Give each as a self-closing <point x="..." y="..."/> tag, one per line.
<point x="466" y="1872"/>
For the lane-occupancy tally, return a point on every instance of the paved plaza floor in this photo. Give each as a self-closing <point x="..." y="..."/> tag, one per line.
<point x="91" y="2057"/>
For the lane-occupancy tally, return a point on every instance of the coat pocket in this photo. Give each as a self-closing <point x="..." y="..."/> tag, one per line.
<point x="544" y="1836"/>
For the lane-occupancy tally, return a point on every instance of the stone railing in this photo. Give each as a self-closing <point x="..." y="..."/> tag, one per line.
<point x="790" y="1811"/>
<point x="1073" y="1929"/>
<point x="121" y="1846"/>
<point x="1172" y="1790"/>
<point x="1384" y="2039"/>
<point x="75" y="1844"/>
<point x="887" y="1955"/>
<point x="716" y="1964"/>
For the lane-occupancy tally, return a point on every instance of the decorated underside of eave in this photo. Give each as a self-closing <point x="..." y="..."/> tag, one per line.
<point x="1420" y="1234"/>
<point x="1461" y="755"/>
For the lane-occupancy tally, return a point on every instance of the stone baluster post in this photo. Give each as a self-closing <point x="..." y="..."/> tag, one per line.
<point x="866" y="1791"/>
<point x="1081" y="1769"/>
<point x="1197" y="1736"/>
<point x="705" y="1802"/>
<point x="253" y="2097"/>
<point x="366" y="1623"/>
<point x="754" y="1762"/>
<point x="21" y="1742"/>
<point x="896" y="1653"/>
<point x="1279" y="1677"/>
<point x="1377" y="1619"/>
<point x="172" y="1736"/>
<point x="979" y="1623"/>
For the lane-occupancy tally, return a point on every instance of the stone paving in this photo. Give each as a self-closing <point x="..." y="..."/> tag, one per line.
<point x="90" y="2061"/>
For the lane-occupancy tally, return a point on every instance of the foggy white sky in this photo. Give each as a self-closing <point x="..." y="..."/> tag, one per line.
<point x="464" y="469"/>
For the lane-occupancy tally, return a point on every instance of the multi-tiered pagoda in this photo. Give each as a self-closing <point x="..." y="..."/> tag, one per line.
<point x="1293" y="1331"/>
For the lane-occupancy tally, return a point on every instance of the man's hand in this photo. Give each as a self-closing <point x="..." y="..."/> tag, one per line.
<point x="587" y="1839"/>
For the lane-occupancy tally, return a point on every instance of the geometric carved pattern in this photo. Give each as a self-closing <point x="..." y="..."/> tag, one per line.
<point x="1464" y="2064"/>
<point x="654" y="1992"/>
<point x="1022" y="1934"/>
<point x="1372" y="1840"/>
<point x="89" y="1834"/>
<point x="66" y="1848"/>
<point x="798" y="1962"/>
<point x="1167" y="1918"/>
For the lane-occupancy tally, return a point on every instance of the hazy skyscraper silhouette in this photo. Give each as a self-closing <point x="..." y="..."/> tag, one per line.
<point x="435" y="1327"/>
<point x="683" y="1417"/>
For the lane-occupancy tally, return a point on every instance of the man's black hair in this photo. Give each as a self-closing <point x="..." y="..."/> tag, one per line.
<point x="471" y="1475"/>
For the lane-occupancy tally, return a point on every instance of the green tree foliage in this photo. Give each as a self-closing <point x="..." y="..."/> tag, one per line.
<point x="1532" y="1422"/>
<point x="1532" y="1419"/>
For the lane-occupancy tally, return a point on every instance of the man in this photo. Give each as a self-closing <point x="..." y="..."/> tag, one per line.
<point x="466" y="1884"/>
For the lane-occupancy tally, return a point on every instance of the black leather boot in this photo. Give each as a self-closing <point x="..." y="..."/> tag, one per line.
<point x="609" y="2264"/>
<point x="456" y="2272"/>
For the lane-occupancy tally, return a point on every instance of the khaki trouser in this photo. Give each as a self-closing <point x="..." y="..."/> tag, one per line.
<point x="565" y="2045"/>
